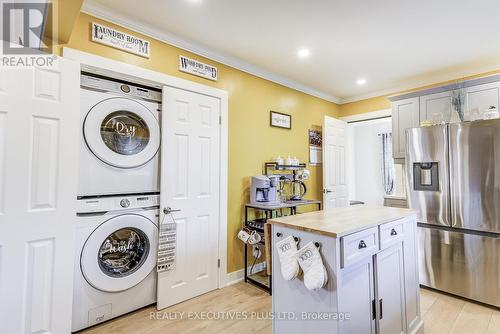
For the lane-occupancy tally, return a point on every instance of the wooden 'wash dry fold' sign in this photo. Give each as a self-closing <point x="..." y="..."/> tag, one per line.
<point x="120" y="40"/>
<point x="198" y="68"/>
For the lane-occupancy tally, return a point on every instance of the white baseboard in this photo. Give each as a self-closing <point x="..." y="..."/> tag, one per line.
<point x="238" y="275"/>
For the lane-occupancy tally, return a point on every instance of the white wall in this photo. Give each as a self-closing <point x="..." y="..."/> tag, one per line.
<point x="365" y="160"/>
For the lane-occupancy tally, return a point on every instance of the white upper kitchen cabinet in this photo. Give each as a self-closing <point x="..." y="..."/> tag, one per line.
<point x="479" y="99"/>
<point x="405" y="115"/>
<point x="436" y="107"/>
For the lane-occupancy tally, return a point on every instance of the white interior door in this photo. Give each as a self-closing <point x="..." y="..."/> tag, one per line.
<point x="335" y="189"/>
<point x="39" y="122"/>
<point x="190" y="168"/>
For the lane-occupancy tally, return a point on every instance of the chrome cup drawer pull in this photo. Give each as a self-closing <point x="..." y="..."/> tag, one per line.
<point x="362" y="244"/>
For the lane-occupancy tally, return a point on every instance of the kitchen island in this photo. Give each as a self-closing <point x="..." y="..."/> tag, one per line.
<point x="369" y="282"/>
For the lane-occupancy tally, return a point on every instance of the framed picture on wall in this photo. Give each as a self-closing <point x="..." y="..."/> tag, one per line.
<point x="281" y="120"/>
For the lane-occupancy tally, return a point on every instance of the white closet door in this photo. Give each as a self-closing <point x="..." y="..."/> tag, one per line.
<point x="335" y="188"/>
<point x="39" y="116"/>
<point x="190" y="168"/>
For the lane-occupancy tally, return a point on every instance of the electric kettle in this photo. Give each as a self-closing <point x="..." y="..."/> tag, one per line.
<point x="297" y="190"/>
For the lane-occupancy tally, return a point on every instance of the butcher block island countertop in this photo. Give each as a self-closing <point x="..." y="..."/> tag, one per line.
<point x="346" y="270"/>
<point x="342" y="221"/>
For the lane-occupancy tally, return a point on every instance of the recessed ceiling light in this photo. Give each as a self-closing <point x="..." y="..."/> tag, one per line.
<point x="360" y="82"/>
<point x="303" y="53"/>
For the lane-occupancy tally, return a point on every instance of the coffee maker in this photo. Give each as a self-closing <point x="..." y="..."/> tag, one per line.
<point x="264" y="190"/>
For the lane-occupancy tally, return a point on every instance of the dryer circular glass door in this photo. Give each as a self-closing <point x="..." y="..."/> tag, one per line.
<point x="122" y="133"/>
<point x="120" y="253"/>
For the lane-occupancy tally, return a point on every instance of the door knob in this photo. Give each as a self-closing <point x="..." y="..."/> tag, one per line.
<point x="393" y="232"/>
<point x="168" y="210"/>
<point x="326" y="191"/>
<point x="362" y="244"/>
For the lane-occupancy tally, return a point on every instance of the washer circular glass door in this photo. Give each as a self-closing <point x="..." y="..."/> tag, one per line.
<point x="120" y="253"/>
<point x="122" y="133"/>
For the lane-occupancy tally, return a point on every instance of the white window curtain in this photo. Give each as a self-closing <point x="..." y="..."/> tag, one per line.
<point x="387" y="163"/>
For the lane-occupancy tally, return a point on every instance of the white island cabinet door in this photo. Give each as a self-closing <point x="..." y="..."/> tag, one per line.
<point x="356" y="297"/>
<point x="389" y="273"/>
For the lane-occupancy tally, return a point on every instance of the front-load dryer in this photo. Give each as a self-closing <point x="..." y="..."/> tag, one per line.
<point x="119" y="139"/>
<point x="115" y="258"/>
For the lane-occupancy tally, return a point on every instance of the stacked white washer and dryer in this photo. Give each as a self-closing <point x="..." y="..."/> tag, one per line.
<point x="118" y="198"/>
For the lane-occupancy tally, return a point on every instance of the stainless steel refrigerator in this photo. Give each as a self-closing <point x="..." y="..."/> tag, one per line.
<point x="454" y="182"/>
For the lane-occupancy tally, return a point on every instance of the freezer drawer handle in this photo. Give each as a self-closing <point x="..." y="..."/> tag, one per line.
<point x="393" y="232"/>
<point x="362" y="244"/>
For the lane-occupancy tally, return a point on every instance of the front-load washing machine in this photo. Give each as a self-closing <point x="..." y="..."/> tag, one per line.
<point x="115" y="258"/>
<point x="120" y="137"/>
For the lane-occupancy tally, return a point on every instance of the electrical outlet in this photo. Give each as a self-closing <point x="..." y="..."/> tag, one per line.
<point x="257" y="253"/>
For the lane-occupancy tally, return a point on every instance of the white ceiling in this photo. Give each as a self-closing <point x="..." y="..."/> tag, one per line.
<point x="393" y="44"/>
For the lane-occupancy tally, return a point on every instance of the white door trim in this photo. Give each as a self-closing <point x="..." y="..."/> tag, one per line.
<point x="105" y="66"/>
<point x="367" y="115"/>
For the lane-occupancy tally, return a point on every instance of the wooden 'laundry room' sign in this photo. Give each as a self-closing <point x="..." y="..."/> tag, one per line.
<point x="120" y="40"/>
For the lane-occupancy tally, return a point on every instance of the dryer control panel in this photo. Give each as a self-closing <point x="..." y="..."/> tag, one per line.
<point x="101" y="83"/>
<point x="117" y="203"/>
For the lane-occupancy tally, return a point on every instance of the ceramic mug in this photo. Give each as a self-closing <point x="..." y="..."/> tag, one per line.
<point x="244" y="235"/>
<point x="255" y="238"/>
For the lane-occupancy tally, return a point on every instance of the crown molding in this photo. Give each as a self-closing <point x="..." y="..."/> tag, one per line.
<point x="432" y="80"/>
<point x="96" y="10"/>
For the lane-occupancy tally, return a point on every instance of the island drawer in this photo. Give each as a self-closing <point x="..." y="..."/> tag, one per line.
<point x="391" y="232"/>
<point x="359" y="245"/>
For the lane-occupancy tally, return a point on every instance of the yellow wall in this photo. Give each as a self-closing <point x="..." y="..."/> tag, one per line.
<point x="382" y="102"/>
<point x="251" y="140"/>
<point x="62" y="18"/>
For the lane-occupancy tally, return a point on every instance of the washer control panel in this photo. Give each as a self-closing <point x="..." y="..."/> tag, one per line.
<point x="115" y="203"/>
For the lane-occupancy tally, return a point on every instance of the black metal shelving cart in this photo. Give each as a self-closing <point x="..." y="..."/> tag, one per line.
<point x="262" y="214"/>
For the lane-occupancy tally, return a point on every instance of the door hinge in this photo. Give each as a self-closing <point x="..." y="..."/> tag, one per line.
<point x="218" y="263"/>
<point x="220" y="119"/>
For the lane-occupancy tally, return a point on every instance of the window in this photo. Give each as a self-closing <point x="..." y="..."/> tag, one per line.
<point x="394" y="174"/>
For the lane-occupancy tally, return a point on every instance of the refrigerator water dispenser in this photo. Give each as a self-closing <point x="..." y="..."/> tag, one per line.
<point x="426" y="176"/>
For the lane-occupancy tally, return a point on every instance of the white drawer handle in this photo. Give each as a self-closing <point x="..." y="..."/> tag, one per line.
<point x="362" y="244"/>
<point x="393" y="232"/>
